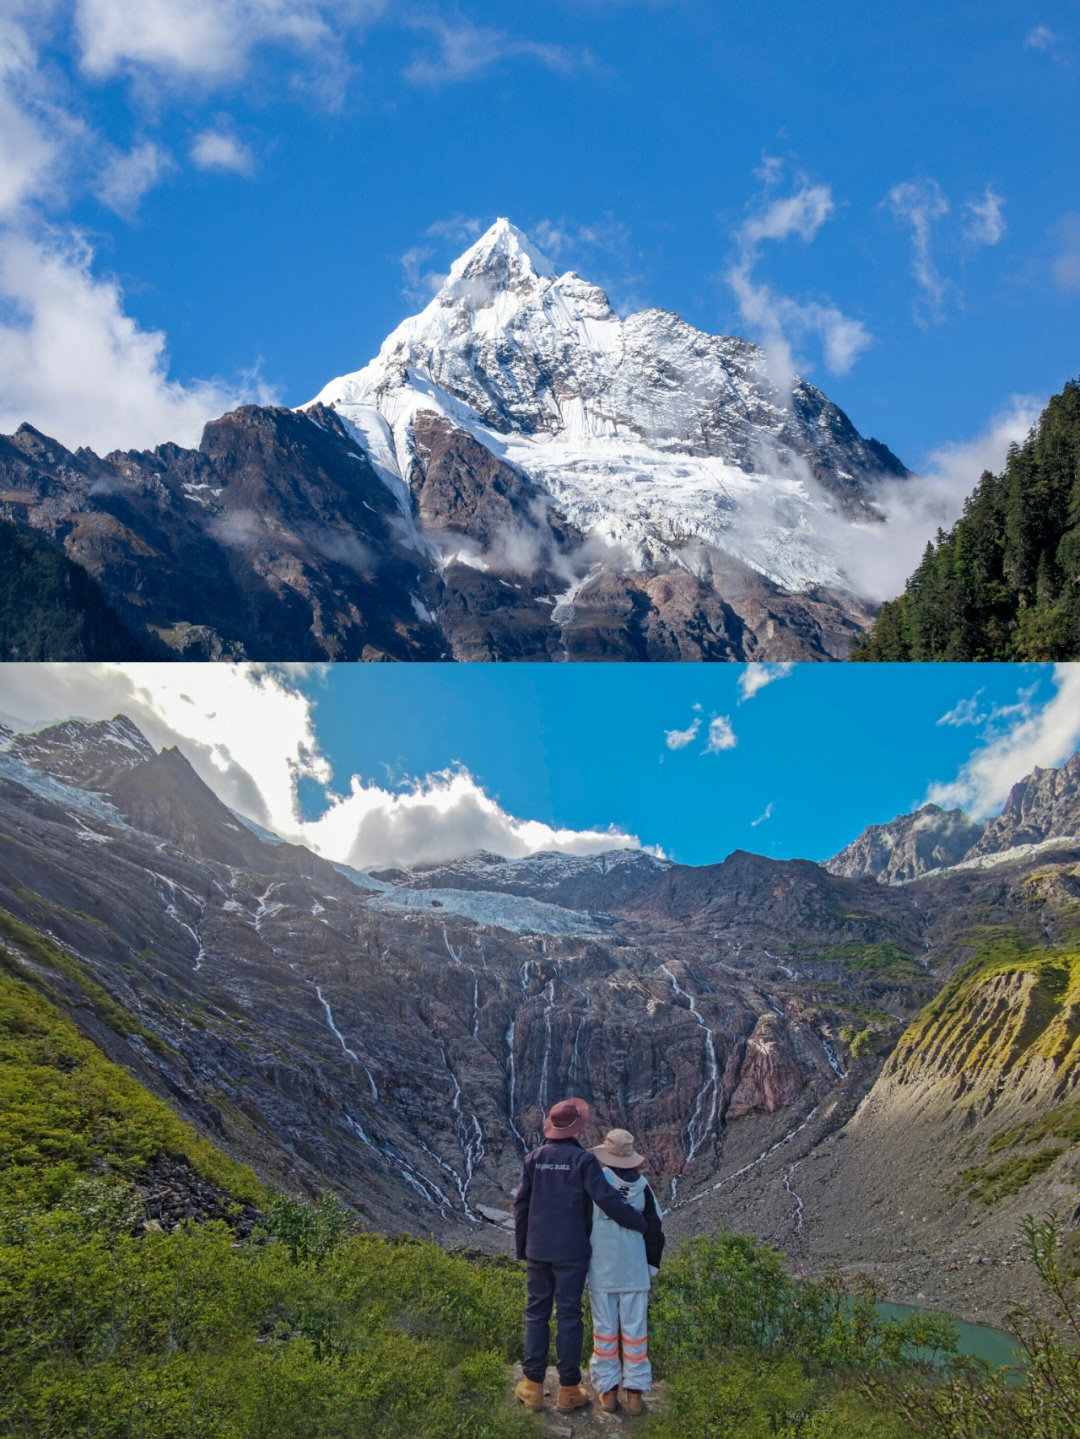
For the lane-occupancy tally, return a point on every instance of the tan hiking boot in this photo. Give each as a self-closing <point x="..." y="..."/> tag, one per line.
<point x="609" y="1401"/>
<point x="530" y="1392"/>
<point x="571" y="1396"/>
<point x="632" y="1401"/>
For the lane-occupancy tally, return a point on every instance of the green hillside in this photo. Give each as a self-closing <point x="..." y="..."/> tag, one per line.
<point x="117" y="1322"/>
<point x="1004" y="583"/>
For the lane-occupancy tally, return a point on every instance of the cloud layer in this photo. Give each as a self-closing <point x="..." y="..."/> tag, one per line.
<point x="878" y="559"/>
<point x="249" y="732"/>
<point x="1015" y="740"/>
<point x="76" y="365"/>
<point x="778" y="321"/>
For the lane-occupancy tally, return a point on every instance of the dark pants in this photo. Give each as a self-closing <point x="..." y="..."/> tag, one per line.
<point x="565" y="1284"/>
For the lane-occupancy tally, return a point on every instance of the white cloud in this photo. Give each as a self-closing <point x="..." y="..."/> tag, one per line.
<point x="249" y="732"/>
<point x="964" y="712"/>
<point x="74" y="364"/>
<point x="1065" y="265"/>
<point x="920" y="203"/>
<point x="680" y="738"/>
<point x="879" y="558"/>
<point x="463" y="51"/>
<point x="1043" y="735"/>
<point x="986" y="223"/>
<point x="779" y="321"/>
<point x="38" y="138"/>
<point x="125" y="179"/>
<point x="763" y="816"/>
<point x="209" y="41"/>
<point x="558" y="237"/>
<point x="420" y="282"/>
<point x="220" y="150"/>
<point x="756" y="676"/>
<point x="1041" y="37"/>
<point x="462" y="229"/>
<point x="443" y="816"/>
<point x="721" y="735"/>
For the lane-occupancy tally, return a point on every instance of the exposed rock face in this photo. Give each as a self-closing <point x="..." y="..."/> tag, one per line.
<point x="88" y="756"/>
<point x="1045" y="804"/>
<point x="909" y="845"/>
<point x="770" y="1077"/>
<point x="403" y="1040"/>
<point x="400" y="1042"/>
<point x="461" y="486"/>
<point x="274" y="540"/>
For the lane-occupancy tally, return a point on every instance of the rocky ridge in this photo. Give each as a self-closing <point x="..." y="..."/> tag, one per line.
<point x="1041" y="808"/>
<point x="405" y="1037"/>
<point x="909" y="845"/>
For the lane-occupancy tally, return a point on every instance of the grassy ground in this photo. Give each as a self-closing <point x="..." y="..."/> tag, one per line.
<point x="112" y="1327"/>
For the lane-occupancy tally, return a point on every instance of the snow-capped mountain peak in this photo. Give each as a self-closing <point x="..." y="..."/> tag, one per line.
<point x="503" y="254"/>
<point x="646" y="434"/>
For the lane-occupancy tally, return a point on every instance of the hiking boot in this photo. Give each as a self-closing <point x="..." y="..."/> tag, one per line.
<point x="530" y="1392"/>
<point x="632" y="1401"/>
<point x="571" y="1396"/>
<point x="609" y="1401"/>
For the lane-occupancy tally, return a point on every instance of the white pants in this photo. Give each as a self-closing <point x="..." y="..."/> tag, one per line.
<point x="625" y="1315"/>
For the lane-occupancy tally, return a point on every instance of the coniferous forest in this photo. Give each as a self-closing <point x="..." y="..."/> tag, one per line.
<point x="1004" y="582"/>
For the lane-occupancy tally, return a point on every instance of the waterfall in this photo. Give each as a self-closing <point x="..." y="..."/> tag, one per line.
<point x="703" y="1117"/>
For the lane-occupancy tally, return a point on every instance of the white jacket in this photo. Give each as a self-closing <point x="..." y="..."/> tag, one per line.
<point x="618" y="1255"/>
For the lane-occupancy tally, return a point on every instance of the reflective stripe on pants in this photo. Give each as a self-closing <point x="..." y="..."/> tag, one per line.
<point x="624" y="1314"/>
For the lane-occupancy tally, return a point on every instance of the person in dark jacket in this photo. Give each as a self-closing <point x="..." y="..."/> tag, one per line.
<point x="560" y="1182"/>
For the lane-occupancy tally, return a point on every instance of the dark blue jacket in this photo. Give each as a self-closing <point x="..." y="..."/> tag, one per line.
<point x="553" y="1206"/>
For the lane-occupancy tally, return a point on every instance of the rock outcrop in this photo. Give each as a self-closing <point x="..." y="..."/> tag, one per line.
<point x="909" y="845"/>
<point x="1044" y="805"/>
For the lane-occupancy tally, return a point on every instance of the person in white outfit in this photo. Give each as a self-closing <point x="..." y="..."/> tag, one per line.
<point x="619" y="1280"/>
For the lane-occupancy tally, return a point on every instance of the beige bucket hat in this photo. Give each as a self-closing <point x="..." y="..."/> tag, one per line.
<point x="618" y="1150"/>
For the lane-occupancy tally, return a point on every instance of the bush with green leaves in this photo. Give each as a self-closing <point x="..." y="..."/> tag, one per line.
<point x="974" y="1401"/>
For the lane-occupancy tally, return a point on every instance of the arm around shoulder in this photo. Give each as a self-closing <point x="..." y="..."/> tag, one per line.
<point x="609" y="1199"/>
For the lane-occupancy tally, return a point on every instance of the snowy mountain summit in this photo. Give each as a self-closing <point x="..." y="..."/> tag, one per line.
<point x="644" y="434"/>
<point x="519" y="474"/>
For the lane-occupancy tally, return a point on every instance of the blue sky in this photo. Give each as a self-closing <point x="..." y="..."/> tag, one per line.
<point x="202" y="200"/>
<point x="413" y="761"/>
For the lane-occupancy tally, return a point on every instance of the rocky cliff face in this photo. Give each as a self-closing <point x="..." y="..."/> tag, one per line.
<point x="1044" y="805"/>
<point x="519" y="474"/>
<point x="401" y="1035"/>
<point x="909" y="845"/>
<point x="274" y="540"/>
<point x="87" y="756"/>
<point x="398" y="1035"/>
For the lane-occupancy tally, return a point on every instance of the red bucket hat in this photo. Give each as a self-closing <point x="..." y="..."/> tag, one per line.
<point x="566" y="1119"/>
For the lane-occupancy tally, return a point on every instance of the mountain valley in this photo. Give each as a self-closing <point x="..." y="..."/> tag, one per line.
<point x="788" y="1043"/>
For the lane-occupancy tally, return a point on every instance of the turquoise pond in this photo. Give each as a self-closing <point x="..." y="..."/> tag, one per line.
<point x="976" y="1341"/>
